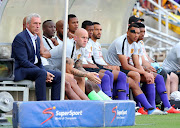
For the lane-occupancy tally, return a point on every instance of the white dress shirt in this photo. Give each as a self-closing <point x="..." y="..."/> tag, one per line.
<point x="33" y="38"/>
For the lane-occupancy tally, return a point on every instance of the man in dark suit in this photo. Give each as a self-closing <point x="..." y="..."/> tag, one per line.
<point x="26" y="52"/>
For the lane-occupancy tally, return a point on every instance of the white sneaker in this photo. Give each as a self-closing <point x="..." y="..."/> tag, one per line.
<point x="137" y="114"/>
<point x="156" y="112"/>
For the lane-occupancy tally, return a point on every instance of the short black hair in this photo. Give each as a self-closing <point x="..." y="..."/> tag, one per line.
<point x="134" y="19"/>
<point x="141" y="25"/>
<point x="133" y="25"/>
<point x="86" y="23"/>
<point x="45" y="22"/>
<point x="96" y="23"/>
<point x="71" y="16"/>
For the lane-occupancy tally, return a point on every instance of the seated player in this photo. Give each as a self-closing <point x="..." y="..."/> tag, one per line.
<point x="159" y="81"/>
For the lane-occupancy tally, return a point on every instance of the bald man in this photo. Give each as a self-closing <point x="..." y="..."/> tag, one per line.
<point x="24" y="23"/>
<point x="76" y="51"/>
<point x="59" y="29"/>
<point x="59" y="33"/>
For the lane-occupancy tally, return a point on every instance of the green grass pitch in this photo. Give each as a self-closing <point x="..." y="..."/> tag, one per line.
<point x="148" y="121"/>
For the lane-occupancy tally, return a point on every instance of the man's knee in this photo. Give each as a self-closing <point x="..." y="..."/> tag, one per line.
<point x="134" y="75"/>
<point x="41" y="73"/>
<point x="122" y="76"/>
<point x="173" y="76"/>
<point x="58" y="75"/>
<point x="72" y="81"/>
<point x="67" y="86"/>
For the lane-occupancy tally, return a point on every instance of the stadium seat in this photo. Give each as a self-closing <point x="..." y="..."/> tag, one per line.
<point x="23" y="85"/>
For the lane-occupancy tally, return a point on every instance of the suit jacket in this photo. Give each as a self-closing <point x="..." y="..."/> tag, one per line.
<point x="24" y="54"/>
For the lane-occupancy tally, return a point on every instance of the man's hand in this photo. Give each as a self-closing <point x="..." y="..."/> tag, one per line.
<point x="70" y="35"/>
<point x="149" y="77"/>
<point x="92" y="76"/>
<point x="150" y="69"/>
<point x="39" y="34"/>
<point x="55" y="42"/>
<point x="49" y="77"/>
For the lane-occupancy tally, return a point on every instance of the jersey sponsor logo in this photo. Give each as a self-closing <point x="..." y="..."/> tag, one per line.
<point x="132" y="51"/>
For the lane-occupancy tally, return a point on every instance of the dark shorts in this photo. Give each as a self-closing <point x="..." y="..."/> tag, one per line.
<point x="175" y="72"/>
<point x="164" y="74"/>
<point x="101" y="67"/>
<point x="92" y="69"/>
<point x="123" y="70"/>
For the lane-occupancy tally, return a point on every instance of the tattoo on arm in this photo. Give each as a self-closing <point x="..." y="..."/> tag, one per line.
<point x="68" y="61"/>
<point x="79" y="73"/>
<point x="78" y="70"/>
<point x="78" y="64"/>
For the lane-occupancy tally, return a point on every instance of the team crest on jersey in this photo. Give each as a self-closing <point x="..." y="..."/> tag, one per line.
<point x="141" y="42"/>
<point x="78" y="57"/>
<point x="132" y="50"/>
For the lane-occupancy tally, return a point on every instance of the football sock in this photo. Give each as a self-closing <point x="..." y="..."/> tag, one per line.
<point x="142" y="99"/>
<point x="103" y="95"/>
<point x="127" y="91"/>
<point x="137" y="102"/>
<point x="150" y="94"/>
<point x="161" y="90"/>
<point x="105" y="84"/>
<point x="94" y="96"/>
<point x="111" y="76"/>
<point x="121" y="86"/>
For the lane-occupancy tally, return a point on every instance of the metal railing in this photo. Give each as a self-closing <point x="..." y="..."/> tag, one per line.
<point x="164" y="40"/>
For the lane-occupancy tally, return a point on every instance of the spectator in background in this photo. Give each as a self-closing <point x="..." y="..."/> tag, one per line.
<point x="146" y="5"/>
<point x="166" y="4"/>
<point x="178" y="1"/>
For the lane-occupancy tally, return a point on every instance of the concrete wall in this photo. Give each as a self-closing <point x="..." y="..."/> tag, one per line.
<point x="112" y="14"/>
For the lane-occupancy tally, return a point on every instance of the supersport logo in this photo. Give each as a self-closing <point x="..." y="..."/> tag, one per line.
<point x="48" y="112"/>
<point x="113" y="111"/>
